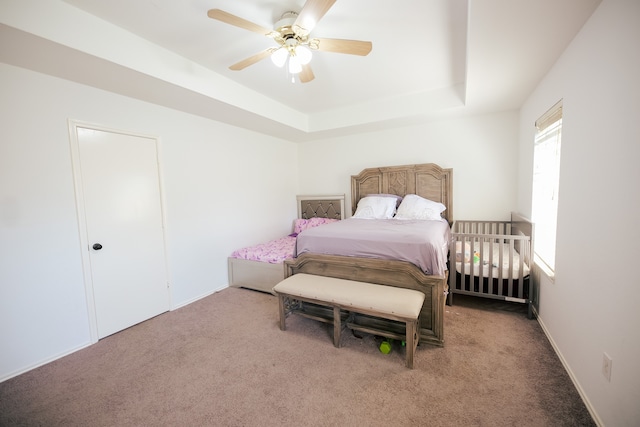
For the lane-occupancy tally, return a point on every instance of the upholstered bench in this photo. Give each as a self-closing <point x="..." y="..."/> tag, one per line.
<point x="387" y="302"/>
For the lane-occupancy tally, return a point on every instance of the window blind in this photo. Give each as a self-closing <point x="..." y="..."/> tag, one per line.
<point x="550" y="117"/>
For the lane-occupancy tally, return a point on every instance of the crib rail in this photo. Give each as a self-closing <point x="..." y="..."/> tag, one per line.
<point x="500" y="240"/>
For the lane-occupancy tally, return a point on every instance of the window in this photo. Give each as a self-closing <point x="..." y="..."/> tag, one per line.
<point x="546" y="176"/>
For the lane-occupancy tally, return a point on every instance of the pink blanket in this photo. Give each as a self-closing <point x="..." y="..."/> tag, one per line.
<point x="273" y="252"/>
<point x="276" y="251"/>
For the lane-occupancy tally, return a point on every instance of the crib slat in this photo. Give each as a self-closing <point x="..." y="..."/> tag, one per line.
<point x="511" y="258"/>
<point x="501" y="260"/>
<point x="463" y="264"/>
<point x="491" y="266"/>
<point x="524" y="245"/>
<point x="480" y="264"/>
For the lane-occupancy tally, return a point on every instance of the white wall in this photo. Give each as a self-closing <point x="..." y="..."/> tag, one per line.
<point x="208" y="166"/>
<point x="482" y="150"/>
<point x="224" y="188"/>
<point x="592" y="306"/>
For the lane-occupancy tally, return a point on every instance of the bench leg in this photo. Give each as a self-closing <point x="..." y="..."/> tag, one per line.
<point x="412" y="339"/>
<point x="337" y="327"/>
<point x="282" y="313"/>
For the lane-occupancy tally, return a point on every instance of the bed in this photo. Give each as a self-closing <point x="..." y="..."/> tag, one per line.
<point x="260" y="267"/>
<point x="493" y="259"/>
<point x="428" y="181"/>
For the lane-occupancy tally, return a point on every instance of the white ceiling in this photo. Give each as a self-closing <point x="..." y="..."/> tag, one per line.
<point x="429" y="57"/>
<point x="417" y="45"/>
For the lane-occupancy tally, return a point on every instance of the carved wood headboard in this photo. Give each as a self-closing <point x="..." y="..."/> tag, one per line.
<point x="427" y="180"/>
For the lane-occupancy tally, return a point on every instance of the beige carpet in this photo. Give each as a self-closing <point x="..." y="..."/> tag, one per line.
<point x="222" y="361"/>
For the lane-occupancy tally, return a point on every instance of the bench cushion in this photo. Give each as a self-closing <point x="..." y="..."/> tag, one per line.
<point x="359" y="295"/>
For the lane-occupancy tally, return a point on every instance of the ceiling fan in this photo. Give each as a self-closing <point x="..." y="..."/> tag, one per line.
<point x="291" y="35"/>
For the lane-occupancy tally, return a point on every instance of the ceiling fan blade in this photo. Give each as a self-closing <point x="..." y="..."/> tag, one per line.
<point x="230" y="19"/>
<point x="252" y="59"/>
<point x="311" y="13"/>
<point x="306" y="75"/>
<point x="351" y="47"/>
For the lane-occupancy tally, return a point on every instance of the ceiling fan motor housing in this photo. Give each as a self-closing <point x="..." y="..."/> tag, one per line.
<point x="286" y="35"/>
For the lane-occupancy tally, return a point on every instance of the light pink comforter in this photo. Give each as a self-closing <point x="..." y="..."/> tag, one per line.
<point x="422" y="242"/>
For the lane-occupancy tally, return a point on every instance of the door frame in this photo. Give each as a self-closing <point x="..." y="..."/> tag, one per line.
<point x="82" y="220"/>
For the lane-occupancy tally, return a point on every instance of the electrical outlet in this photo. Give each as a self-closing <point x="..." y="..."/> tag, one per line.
<point x="606" y="366"/>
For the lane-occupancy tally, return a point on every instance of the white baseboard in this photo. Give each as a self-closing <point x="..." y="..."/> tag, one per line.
<point x="567" y="368"/>
<point x="88" y="343"/>
<point x="44" y="362"/>
<point x="199" y="297"/>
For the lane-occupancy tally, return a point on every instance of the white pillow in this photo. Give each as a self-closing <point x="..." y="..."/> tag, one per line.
<point x="373" y="207"/>
<point x="416" y="207"/>
<point x="397" y="198"/>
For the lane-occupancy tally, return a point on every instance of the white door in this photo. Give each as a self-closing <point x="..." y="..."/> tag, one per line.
<point x="121" y="197"/>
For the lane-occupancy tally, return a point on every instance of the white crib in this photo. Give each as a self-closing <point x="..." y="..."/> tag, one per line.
<point x="492" y="259"/>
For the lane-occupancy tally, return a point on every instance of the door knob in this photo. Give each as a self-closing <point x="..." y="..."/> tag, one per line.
<point x="97" y="246"/>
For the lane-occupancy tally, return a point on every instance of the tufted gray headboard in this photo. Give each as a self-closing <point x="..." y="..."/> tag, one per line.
<point x="321" y="206"/>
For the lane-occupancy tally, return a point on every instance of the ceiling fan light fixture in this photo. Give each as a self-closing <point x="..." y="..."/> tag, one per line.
<point x="303" y="54"/>
<point x="294" y="65"/>
<point x="279" y="57"/>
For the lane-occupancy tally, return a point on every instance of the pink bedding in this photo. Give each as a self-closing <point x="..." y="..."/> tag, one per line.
<point x="276" y="251"/>
<point x="424" y="243"/>
<point x="273" y="252"/>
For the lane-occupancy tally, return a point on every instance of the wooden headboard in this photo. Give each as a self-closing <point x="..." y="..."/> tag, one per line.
<point x="427" y="180"/>
<point x="321" y="207"/>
